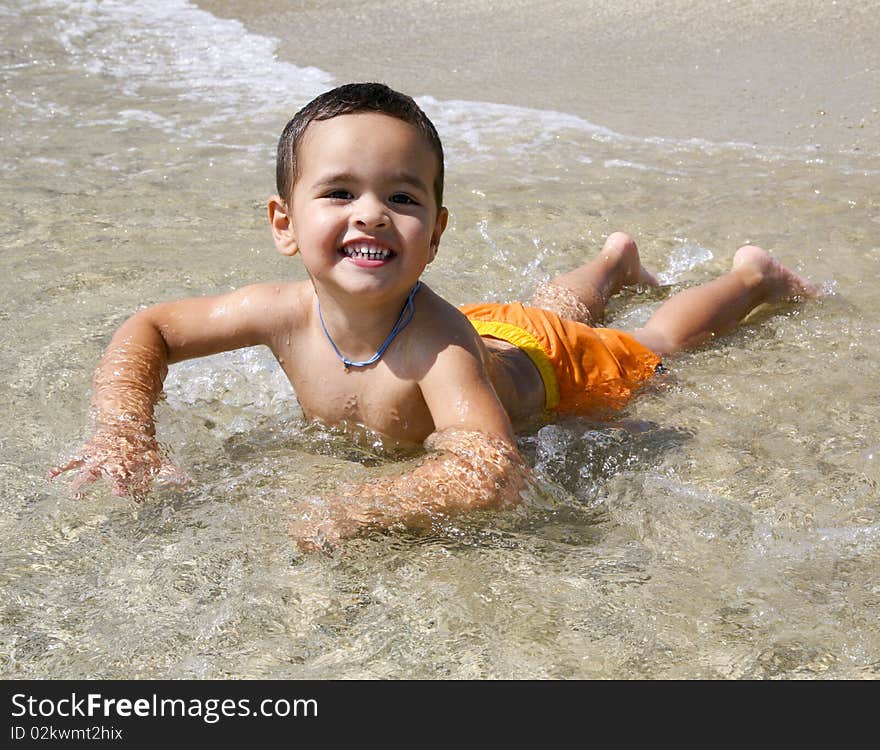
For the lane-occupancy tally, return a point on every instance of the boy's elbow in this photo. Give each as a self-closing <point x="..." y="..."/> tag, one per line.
<point x="471" y="442"/>
<point x="142" y="333"/>
<point x="490" y="469"/>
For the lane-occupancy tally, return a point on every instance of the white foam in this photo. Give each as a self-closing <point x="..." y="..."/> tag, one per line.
<point x="173" y="44"/>
<point x="682" y="259"/>
<point x="241" y="387"/>
<point x="639" y="167"/>
<point x="473" y="130"/>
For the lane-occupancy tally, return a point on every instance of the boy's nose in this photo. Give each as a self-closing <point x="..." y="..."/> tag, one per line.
<point x="370" y="212"/>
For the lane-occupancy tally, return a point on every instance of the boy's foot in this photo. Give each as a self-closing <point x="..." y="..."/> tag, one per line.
<point x="781" y="283"/>
<point x="582" y="294"/>
<point x="621" y="252"/>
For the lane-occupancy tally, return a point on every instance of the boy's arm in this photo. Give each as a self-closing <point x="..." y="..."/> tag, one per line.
<point x="466" y="470"/>
<point x="127" y="383"/>
<point x="473" y="462"/>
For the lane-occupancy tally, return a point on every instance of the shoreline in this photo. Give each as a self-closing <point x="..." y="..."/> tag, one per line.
<point x="771" y="75"/>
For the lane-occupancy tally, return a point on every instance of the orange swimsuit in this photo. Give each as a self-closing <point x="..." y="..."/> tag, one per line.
<point x="584" y="369"/>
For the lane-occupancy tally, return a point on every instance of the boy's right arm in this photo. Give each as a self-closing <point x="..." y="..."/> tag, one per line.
<point x="128" y="380"/>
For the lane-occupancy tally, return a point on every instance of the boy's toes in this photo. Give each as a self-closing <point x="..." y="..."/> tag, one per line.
<point x="647" y="278"/>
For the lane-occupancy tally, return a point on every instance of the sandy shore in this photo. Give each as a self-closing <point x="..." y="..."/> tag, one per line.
<point x="783" y="72"/>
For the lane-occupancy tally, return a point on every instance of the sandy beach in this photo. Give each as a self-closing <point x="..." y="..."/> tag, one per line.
<point x="725" y="525"/>
<point x="780" y="73"/>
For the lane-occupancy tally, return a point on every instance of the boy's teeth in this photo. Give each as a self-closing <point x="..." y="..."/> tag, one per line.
<point x="365" y="251"/>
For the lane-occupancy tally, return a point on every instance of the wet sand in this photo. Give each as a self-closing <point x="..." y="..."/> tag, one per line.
<point x="727" y="526"/>
<point x="779" y="73"/>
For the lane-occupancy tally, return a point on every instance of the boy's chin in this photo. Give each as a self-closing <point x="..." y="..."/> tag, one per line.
<point x="365" y="285"/>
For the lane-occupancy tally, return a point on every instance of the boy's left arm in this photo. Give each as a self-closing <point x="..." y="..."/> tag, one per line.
<point x="473" y="461"/>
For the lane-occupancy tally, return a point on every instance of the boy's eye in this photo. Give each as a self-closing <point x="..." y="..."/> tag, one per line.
<point x="339" y="195"/>
<point x="403" y="198"/>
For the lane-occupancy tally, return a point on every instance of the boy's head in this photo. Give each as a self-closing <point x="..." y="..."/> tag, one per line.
<point x="350" y="99"/>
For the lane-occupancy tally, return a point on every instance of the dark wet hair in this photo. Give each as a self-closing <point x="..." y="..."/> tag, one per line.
<point x="350" y="99"/>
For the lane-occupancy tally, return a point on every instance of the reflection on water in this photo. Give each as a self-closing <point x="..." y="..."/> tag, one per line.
<point x="726" y="525"/>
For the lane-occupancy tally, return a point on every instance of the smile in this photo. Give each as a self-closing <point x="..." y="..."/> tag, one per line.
<point x="365" y="251"/>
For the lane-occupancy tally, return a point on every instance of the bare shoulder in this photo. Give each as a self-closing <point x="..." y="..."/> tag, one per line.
<point x="248" y="316"/>
<point x="455" y="373"/>
<point x="444" y="344"/>
<point x="290" y="301"/>
<point x="445" y="321"/>
<point x="278" y="308"/>
<point x="440" y="328"/>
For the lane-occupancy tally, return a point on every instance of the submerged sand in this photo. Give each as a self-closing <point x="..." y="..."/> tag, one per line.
<point x="727" y="526"/>
<point x="786" y="73"/>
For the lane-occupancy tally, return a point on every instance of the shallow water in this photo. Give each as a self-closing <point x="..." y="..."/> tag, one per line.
<point x="727" y="525"/>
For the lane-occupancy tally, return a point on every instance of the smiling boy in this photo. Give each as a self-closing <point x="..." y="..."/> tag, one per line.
<point x="363" y="213"/>
<point x="366" y="344"/>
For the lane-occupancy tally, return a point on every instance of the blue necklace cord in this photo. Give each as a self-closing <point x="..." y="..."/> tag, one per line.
<point x="406" y="315"/>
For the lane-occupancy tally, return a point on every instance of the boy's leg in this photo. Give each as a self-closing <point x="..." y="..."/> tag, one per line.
<point x="582" y="294"/>
<point x="689" y="318"/>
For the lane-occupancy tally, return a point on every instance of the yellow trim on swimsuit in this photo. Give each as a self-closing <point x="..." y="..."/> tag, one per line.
<point x="531" y="347"/>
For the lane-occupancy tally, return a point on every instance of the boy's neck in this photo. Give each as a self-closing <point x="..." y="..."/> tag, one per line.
<point x="356" y="326"/>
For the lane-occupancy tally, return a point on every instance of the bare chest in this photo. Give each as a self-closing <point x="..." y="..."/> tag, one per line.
<point x="374" y="397"/>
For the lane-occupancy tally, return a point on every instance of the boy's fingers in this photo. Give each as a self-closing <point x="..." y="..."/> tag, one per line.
<point x="316" y="544"/>
<point x="309" y="536"/>
<point x="74" y="463"/>
<point x="123" y="487"/>
<point x="123" y="477"/>
<point x="86" y="477"/>
<point x="171" y="473"/>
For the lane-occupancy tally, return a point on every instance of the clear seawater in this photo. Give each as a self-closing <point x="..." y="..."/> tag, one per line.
<point x="727" y="525"/>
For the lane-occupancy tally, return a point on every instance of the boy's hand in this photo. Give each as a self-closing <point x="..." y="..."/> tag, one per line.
<point x="323" y="526"/>
<point x="314" y="536"/>
<point x="128" y="457"/>
<point x="468" y="470"/>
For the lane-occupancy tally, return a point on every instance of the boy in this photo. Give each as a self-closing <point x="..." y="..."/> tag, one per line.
<point x="366" y="344"/>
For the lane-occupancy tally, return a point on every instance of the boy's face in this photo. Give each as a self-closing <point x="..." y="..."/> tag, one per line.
<point x="362" y="211"/>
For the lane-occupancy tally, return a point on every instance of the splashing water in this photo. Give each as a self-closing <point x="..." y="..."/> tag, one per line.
<point x="682" y="259"/>
<point x="724" y="525"/>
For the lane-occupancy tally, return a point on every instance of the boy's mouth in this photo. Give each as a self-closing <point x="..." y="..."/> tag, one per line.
<point x="364" y="251"/>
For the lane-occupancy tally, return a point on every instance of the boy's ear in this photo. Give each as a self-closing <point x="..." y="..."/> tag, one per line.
<point x="282" y="227"/>
<point x="439" y="228"/>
